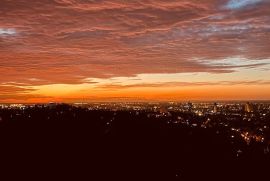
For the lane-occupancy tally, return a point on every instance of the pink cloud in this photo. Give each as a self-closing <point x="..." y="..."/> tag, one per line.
<point x="66" y="41"/>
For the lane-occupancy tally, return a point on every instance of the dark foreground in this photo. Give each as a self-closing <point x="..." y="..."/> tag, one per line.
<point x="76" y="144"/>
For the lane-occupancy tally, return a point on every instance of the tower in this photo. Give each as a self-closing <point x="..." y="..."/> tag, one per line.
<point x="215" y="109"/>
<point x="249" y="107"/>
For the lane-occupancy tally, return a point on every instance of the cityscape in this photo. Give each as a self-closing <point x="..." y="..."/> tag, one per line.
<point x="135" y="90"/>
<point x="159" y="140"/>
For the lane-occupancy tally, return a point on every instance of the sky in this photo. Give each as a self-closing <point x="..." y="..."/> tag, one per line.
<point x="134" y="50"/>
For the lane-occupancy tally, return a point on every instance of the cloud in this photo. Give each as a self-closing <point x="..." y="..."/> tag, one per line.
<point x="68" y="41"/>
<point x="7" y="31"/>
<point x="118" y="86"/>
<point x="9" y="89"/>
<point x="13" y="92"/>
<point x="238" y="4"/>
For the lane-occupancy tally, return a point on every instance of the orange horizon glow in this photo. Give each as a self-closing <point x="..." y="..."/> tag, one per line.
<point x="206" y="93"/>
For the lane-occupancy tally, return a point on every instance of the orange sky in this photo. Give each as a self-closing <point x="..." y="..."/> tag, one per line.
<point x="145" y="50"/>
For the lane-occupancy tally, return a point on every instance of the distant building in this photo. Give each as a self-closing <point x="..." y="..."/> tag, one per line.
<point x="215" y="109"/>
<point x="249" y="107"/>
<point x="190" y="106"/>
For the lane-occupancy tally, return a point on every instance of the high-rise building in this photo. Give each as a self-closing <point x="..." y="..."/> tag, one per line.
<point x="249" y="107"/>
<point x="215" y="109"/>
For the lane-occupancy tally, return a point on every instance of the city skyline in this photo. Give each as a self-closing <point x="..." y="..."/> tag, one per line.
<point x="144" y="50"/>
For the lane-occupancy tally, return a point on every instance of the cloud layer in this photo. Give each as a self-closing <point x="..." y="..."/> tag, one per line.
<point x="66" y="41"/>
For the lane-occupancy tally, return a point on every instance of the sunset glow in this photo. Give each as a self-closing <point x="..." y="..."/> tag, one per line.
<point x="137" y="50"/>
